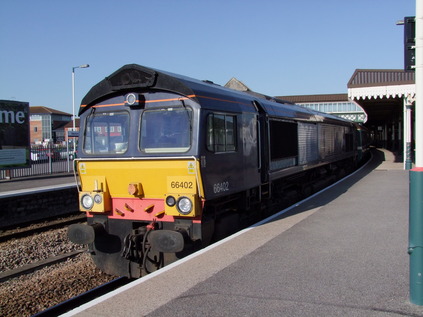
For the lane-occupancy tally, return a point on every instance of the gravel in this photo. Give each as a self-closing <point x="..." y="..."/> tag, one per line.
<point x="32" y="293"/>
<point x="17" y="252"/>
<point x="29" y="294"/>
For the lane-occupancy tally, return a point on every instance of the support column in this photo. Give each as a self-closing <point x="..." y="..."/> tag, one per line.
<point x="415" y="236"/>
<point x="415" y="247"/>
<point x="408" y="101"/>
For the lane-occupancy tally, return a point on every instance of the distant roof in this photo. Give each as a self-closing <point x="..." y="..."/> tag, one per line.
<point x="315" y="98"/>
<point x="236" y="84"/>
<point x="46" y="110"/>
<point x="70" y="124"/>
<point x="380" y="77"/>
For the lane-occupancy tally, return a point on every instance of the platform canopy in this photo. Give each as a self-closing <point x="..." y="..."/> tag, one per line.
<point x="380" y="92"/>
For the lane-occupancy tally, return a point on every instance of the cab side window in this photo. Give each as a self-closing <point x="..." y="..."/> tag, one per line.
<point x="221" y="133"/>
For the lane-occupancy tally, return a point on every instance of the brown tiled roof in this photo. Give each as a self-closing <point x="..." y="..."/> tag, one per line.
<point x="380" y="77"/>
<point x="46" y="110"/>
<point x="70" y="123"/>
<point x="315" y="98"/>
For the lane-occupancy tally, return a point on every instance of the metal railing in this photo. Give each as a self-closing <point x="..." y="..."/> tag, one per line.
<point x="45" y="160"/>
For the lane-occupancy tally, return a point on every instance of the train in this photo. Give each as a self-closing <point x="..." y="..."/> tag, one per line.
<point x="168" y="164"/>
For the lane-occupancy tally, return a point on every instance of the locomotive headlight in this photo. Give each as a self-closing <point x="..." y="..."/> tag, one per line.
<point x="131" y="99"/>
<point x="87" y="201"/>
<point x="184" y="205"/>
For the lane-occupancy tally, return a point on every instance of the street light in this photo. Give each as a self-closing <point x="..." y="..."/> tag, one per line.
<point x="73" y="98"/>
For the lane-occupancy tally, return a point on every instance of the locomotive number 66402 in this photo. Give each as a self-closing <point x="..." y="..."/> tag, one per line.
<point x="180" y="185"/>
<point x="221" y="187"/>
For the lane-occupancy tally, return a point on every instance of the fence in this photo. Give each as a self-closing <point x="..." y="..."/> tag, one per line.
<point x="45" y="160"/>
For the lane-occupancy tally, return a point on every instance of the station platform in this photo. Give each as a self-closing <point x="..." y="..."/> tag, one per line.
<point x="342" y="252"/>
<point x="27" y="185"/>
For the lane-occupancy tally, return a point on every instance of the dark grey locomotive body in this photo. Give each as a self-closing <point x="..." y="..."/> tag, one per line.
<point x="253" y="153"/>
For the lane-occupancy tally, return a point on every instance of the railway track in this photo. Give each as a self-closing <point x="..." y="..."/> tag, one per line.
<point x="29" y="268"/>
<point x="25" y="230"/>
<point x="19" y="234"/>
<point x="40" y="268"/>
<point x="84" y="298"/>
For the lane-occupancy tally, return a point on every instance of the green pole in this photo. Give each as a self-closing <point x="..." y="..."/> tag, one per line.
<point x="415" y="246"/>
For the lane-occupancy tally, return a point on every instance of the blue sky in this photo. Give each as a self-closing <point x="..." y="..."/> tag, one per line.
<point x="276" y="47"/>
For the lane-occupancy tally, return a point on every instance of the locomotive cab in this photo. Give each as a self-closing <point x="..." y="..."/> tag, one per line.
<point x="138" y="173"/>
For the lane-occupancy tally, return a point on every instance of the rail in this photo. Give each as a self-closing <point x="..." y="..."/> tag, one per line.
<point x="32" y="267"/>
<point x="83" y="298"/>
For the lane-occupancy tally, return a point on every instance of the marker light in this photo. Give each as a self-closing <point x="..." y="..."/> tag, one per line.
<point x="170" y="201"/>
<point x="98" y="199"/>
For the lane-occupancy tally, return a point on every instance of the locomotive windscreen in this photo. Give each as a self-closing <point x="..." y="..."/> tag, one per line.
<point x="106" y="133"/>
<point x="166" y="130"/>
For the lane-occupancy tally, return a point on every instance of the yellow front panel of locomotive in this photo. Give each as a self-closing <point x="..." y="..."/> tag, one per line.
<point x="141" y="179"/>
<point x="153" y="175"/>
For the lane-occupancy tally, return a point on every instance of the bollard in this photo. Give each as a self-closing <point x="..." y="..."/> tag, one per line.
<point x="415" y="236"/>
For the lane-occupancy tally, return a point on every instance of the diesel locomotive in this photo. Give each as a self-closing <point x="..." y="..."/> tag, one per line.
<point x="167" y="163"/>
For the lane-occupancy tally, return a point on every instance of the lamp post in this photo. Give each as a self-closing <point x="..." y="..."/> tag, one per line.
<point x="73" y="98"/>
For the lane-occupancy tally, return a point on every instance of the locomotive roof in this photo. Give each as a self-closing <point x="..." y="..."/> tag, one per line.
<point x="133" y="77"/>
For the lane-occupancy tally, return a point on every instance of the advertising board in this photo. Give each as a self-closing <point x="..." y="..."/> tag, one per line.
<point x="14" y="134"/>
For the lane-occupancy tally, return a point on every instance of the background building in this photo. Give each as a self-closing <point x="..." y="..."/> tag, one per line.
<point x="384" y="95"/>
<point x="47" y="125"/>
<point x="336" y="104"/>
